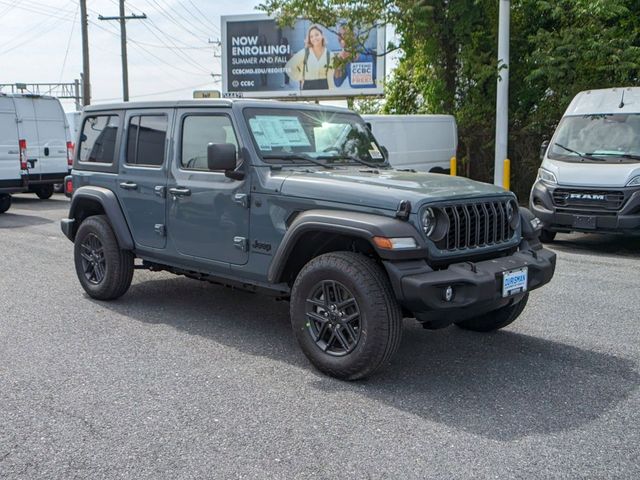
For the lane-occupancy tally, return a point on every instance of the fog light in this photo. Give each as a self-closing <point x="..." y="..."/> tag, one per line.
<point x="448" y="293"/>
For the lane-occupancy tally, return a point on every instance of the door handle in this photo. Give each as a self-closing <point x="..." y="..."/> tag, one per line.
<point x="128" y="185"/>
<point x="180" y="192"/>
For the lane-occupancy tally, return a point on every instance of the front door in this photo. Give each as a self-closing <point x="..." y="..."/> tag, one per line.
<point x="142" y="178"/>
<point x="208" y="212"/>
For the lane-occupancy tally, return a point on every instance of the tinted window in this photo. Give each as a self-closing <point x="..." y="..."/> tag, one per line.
<point x="198" y="131"/>
<point x="98" y="139"/>
<point x="146" y="140"/>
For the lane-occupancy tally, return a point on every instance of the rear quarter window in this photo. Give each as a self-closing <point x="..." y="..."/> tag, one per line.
<point x="98" y="139"/>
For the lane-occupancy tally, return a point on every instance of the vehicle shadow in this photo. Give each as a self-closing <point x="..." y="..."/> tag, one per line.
<point x="32" y="202"/>
<point x="16" y="220"/>
<point x="502" y="386"/>
<point x="607" y="245"/>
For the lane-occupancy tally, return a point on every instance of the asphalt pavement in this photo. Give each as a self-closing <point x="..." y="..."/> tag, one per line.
<point x="183" y="379"/>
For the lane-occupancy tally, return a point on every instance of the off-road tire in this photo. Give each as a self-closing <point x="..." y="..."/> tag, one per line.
<point x="44" y="192"/>
<point x="5" y="202"/>
<point x="496" y="319"/>
<point x="380" y="315"/>
<point x="547" y="236"/>
<point x="118" y="263"/>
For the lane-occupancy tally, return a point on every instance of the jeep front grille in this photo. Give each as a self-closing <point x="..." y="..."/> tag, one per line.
<point x="476" y="225"/>
<point x="593" y="200"/>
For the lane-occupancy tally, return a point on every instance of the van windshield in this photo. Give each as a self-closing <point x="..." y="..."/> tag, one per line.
<point x="607" y="137"/>
<point x="297" y="135"/>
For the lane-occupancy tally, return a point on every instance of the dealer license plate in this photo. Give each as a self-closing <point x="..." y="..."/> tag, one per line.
<point x="514" y="281"/>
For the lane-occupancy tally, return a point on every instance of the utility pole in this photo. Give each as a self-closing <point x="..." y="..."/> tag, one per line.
<point x="122" y="18"/>
<point x="502" y="100"/>
<point x="86" y="78"/>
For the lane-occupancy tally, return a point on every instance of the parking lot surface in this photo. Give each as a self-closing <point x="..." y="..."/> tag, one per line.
<point x="183" y="379"/>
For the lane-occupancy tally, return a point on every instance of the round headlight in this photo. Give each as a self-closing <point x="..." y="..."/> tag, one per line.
<point x="428" y="220"/>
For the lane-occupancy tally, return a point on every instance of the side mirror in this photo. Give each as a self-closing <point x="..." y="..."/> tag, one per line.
<point x="543" y="149"/>
<point x="221" y="156"/>
<point x="385" y="151"/>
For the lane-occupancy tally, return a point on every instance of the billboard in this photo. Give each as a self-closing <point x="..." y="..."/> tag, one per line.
<point x="262" y="60"/>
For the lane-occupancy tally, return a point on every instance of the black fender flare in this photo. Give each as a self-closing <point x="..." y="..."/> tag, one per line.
<point x="109" y="202"/>
<point x="356" y="224"/>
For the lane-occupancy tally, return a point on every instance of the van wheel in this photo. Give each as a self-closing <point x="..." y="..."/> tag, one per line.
<point x="5" y="202"/>
<point x="497" y="319"/>
<point x="105" y="271"/>
<point x="44" y="192"/>
<point x="547" y="236"/>
<point x="344" y="315"/>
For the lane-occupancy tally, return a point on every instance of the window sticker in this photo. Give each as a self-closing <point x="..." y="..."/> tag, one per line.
<point x="278" y="131"/>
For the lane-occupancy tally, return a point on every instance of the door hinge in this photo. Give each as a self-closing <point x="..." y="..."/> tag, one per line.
<point x="160" y="229"/>
<point x="160" y="191"/>
<point x="242" y="199"/>
<point x="241" y="243"/>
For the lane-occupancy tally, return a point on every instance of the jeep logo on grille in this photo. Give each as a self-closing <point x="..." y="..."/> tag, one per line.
<point x="586" y="196"/>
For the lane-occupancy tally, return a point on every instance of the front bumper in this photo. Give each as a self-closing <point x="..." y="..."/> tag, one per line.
<point x="477" y="286"/>
<point x="586" y="218"/>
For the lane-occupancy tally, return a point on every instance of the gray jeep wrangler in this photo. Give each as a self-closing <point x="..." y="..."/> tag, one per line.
<point x="298" y="202"/>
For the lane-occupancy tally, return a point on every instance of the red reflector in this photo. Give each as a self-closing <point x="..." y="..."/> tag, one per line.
<point x="69" y="188"/>
<point x="22" y="143"/>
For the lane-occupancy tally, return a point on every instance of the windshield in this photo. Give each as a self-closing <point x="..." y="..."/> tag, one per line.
<point x="608" y="137"/>
<point x="298" y="135"/>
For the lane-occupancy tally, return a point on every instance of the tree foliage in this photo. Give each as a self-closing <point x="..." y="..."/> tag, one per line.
<point x="449" y="63"/>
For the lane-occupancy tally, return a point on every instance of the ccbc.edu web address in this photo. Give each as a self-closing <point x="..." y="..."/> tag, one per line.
<point x="257" y="70"/>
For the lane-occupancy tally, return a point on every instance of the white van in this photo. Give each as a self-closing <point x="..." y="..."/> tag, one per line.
<point x="589" y="180"/>
<point x="35" y="151"/>
<point x="424" y="143"/>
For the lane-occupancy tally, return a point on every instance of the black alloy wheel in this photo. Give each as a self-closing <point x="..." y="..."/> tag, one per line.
<point x="333" y="318"/>
<point x="93" y="262"/>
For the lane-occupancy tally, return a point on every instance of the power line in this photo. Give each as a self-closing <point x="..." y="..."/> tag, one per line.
<point x="66" y="54"/>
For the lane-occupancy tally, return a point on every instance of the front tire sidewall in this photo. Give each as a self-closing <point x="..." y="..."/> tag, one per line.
<point x="375" y="322"/>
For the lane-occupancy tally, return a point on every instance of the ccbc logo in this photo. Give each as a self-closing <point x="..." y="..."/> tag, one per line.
<point x="243" y="83"/>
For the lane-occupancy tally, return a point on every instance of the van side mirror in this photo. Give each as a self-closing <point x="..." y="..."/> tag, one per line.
<point x="385" y="151"/>
<point x="222" y="156"/>
<point x="543" y="149"/>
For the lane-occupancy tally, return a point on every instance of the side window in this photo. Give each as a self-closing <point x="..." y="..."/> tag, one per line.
<point x="198" y="131"/>
<point x="98" y="139"/>
<point x="146" y="140"/>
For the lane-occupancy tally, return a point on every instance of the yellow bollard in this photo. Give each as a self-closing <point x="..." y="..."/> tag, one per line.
<point x="453" y="167"/>
<point x="506" y="174"/>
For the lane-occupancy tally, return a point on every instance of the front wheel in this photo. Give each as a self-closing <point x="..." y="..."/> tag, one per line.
<point x="104" y="270"/>
<point x="496" y="319"/>
<point x="344" y="315"/>
<point x="5" y="202"/>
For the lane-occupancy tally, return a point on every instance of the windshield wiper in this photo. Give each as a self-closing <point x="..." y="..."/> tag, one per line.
<point x="581" y="155"/>
<point x="349" y="157"/>
<point x="296" y="156"/>
<point x="612" y="154"/>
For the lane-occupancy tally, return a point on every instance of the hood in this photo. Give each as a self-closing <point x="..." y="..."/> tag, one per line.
<point x="582" y="174"/>
<point x="383" y="189"/>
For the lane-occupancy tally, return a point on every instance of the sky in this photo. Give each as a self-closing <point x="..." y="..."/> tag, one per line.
<point x="169" y="53"/>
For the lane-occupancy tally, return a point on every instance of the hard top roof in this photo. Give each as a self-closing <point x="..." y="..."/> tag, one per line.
<point x="221" y="102"/>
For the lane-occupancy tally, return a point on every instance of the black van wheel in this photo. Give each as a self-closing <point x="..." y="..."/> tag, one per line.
<point x="44" y="192"/>
<point x="5" y="202"/>
<point x="104" y="270"/>
<point x="547" y="236"/>
<point x="497" y="319"/>
<point x="344" y="315"/>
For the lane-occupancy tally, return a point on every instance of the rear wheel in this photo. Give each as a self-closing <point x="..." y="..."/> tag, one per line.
<point x="104" y="270"/>
<point x="496" y="319"/>
<point x="344" y="315"/>
<point x="547" y="236"/>
<point x="5" y="202"/>
<point x="44" y="191"/>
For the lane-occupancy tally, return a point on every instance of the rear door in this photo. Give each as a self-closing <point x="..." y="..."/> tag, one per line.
<point x="52" y="135"/>
<point x="142" y="176"/>
<point x="9" y="152"/>
<point x="28" y="130"/>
